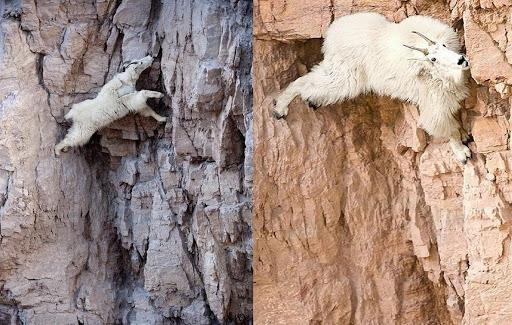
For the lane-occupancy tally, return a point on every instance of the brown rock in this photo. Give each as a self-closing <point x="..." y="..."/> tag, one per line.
<point x="287" y="17"/>
<point x="490" y="134"/>
<point x="487" y="61"/>
<point x="106" y="233"/>
<point x="359" y="218"/>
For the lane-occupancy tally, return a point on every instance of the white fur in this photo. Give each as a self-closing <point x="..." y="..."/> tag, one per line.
<point x="365" y="52"/>
<point x="109" y="105"/>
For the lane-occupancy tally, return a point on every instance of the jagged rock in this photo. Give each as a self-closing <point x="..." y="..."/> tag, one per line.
<point x="361" y="219"/>
<point x="106" y="234"/>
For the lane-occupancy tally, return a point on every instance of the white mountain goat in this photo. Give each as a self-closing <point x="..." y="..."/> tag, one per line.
<point x="365" y="52"/>
<point x="116" y="99"/>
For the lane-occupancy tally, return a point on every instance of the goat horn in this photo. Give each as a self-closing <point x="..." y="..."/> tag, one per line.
<point x="430" y="42"/>
<point x="424" y="51"/>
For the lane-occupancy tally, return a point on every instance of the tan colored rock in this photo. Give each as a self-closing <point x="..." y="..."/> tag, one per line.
<point x="319" y="220"/>
<point x="353" y="197"/>
<point x="106" y="234"/>
<point x="489" y="102"/>
<point x="488" y="62"/>
<point x="490" y="134"/>
<point x="272" y="17"/>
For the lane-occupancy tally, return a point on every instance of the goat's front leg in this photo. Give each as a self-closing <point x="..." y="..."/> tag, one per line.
<point x="149" y="112"/>
<point x="151" y="93"/>
<point x="461" y="151"/>
<point x="136" y="102"/>
<point x="439" y="121"/>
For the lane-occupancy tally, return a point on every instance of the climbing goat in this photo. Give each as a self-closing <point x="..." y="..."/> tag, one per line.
<point x="416" y="60"/>
<point x="116" y="99"/>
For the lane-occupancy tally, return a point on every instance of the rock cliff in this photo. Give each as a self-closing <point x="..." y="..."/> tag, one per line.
<point x="149" y="223"/>
<point x="359" y="217"/>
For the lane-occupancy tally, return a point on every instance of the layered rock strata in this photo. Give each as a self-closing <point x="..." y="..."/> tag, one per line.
<point x="149" y="223"/>
<point x="360" y="217"/>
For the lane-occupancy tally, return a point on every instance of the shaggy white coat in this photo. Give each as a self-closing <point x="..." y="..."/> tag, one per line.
<point x="92" y="115"/>
<point x="365" y="52"/>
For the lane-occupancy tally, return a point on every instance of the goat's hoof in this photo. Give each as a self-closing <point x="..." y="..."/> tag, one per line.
<point x="313" y="106"/>
<point x="277" y="115"/>
<point x="60" y="151"/>
<point x="278" y="111"/>
<point x="463" y="155"/>
<point x="57" y="150"/>
<point x="467" y="152"/>
<point x="468" y="138"/>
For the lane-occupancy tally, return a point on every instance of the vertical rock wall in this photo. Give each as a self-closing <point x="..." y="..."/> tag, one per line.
<point x="360" y="218"/>
<point x="149" y="223"/>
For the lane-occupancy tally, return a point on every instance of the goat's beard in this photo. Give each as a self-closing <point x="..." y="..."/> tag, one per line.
<point x="455" y="77"/>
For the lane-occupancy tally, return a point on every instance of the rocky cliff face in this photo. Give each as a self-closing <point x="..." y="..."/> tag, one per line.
<point x="360" y="218"/>
<point x="149" y="223"/>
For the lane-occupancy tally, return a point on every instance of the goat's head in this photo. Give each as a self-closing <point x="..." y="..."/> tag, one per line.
<point x="440" y="56"/>
<point x="139" y="65"/>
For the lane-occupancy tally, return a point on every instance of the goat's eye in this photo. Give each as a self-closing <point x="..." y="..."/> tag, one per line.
<point x="444" y="45"/>
<point x="433" y="59"/>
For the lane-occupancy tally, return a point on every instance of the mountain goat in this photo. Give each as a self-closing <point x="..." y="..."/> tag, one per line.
<point x="365" y="52"/>
<point x="116" y="99"/>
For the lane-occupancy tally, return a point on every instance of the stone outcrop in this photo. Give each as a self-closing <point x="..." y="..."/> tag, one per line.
<point x="360" y="217"/>
<point x="148" y="223"/>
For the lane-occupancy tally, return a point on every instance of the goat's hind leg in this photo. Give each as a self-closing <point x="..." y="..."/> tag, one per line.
<point x="321" y="87"/>
<point x="293" y="90"/>
<point x="77" y="135"/>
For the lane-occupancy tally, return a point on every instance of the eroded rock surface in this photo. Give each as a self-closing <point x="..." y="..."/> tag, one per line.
<point x="360" y="218"/>
<point x="149" y="223"/>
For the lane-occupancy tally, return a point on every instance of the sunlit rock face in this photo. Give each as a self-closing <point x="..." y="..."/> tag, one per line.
<point x="360" y="217"/>
<point x="148" y="223"/>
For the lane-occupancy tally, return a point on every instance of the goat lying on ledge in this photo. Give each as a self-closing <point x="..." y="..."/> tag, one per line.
<point x="365" y="52"/>
<point x="116" y="99"/>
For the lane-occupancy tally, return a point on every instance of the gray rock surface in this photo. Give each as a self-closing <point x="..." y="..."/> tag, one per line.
<point x="149" y="223"/>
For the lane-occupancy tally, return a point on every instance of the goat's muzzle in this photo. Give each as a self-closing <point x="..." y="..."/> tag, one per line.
<point x="463" y="62"/>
